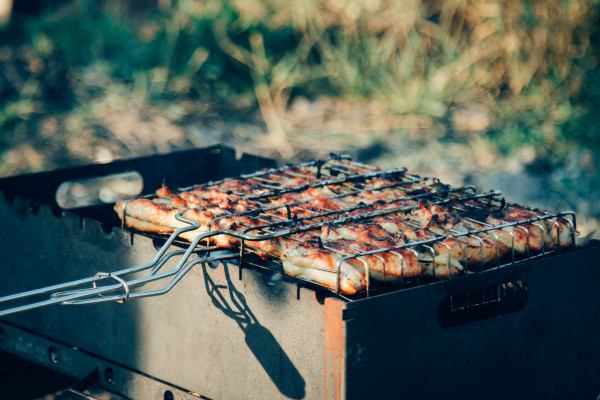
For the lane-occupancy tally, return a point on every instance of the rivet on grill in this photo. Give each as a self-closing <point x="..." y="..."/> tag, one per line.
<point x="109" y="375"/>
<point x="168" y="395"/>
<point x="53" y="355"/>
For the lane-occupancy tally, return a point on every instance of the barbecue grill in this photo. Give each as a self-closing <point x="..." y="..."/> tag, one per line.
<point x="211" y="323"/>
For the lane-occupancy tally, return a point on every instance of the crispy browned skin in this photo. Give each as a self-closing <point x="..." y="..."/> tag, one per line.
<point x="539" y="235"/>
<point x="303" y="258"/>
<point x="146" y="215"/>
<point x="452" y="235"/>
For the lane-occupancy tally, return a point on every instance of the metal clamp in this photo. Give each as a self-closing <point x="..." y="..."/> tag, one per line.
<point x="124" y="284"/>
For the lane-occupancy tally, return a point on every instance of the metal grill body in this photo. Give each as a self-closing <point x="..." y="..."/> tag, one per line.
<point x="229" y="330"/>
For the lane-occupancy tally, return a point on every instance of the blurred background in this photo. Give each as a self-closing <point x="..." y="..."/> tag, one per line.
<point x="502" y="94"/>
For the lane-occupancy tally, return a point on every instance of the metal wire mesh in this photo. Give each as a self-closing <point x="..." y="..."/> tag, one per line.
<point x="384" y="225"/>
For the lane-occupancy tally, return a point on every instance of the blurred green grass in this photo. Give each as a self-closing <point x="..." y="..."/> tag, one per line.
<point x="509" y="72"/>
<point x="459" y="89"/>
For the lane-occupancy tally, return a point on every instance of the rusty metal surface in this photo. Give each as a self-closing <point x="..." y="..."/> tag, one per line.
<point x="18" y="373"/>
<point x="109" y="380"/>
<point x="335" y="349"/>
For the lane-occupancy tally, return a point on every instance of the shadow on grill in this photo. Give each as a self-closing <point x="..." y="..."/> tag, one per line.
<point x="259" y="339"/>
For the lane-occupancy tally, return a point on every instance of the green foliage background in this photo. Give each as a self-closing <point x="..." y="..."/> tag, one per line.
<point x="527" y="70"/>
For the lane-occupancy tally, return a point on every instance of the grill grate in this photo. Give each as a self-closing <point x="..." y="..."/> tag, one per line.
<point x="297" y="204"/>
<point x="266" y="217"/>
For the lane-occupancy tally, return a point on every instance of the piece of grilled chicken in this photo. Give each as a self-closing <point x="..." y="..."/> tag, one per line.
<point x="392" y="217"/>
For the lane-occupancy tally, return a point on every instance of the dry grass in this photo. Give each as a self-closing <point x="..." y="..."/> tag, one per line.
<point x="494" y="66"/>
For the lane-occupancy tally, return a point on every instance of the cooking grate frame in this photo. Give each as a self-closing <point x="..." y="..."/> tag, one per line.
<point x="287" y="223"/>
<point x="343" y="180"/>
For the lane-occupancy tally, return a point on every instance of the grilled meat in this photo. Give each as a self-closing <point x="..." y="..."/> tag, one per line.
<point x="325" y="220"/>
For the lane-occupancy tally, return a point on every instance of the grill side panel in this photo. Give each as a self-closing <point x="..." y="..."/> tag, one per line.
<point x="396" y="347"/>
<point x="217" y="333"/>
<point x="214" y="334"/>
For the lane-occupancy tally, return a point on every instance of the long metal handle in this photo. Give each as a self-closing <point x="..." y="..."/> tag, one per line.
<point x="60" y="293"/>
<point x="75" y="292"/>
<point x="98" y="294"/>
